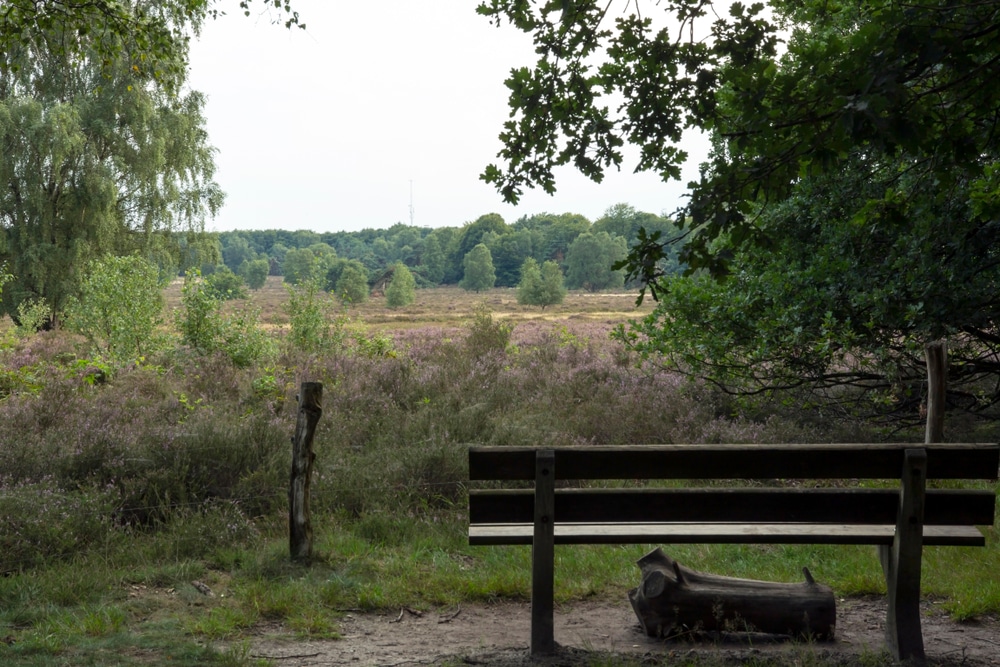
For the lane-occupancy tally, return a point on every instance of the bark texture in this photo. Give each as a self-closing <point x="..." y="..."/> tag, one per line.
<point x="673" y="600"/>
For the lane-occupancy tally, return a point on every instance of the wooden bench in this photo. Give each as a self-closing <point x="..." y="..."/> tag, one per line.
<point x="898" y="520"/>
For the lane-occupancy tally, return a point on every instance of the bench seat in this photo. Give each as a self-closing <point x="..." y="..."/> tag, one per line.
<point x="720" y="533"/>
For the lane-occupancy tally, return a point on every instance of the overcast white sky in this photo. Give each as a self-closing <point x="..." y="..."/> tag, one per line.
<point x="325" y="128"/>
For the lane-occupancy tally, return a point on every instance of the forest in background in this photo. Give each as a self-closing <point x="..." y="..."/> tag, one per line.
<point x="435" y="256"/>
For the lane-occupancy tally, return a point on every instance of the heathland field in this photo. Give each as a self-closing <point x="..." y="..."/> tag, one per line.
<point x="125" y="484"/>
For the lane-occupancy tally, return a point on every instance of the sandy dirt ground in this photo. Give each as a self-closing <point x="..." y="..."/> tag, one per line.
<point x="593" y="631"/>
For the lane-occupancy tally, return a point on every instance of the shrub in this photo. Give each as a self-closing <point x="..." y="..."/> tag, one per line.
<point x="486" y="334"/>
<point x="352" y="285"/>
<point x="225" y="285"/>
<point x="402" y="290"/>
<point x="40" y="521"/>
<point x="120" y="307"/>
<point x="479" y="271"/>
<point x="200" y="321"/>
<point x="314" y="327"/>
<point x="255" y="272"/>
<point x="204" y="327"/>
<point x="32" y="315"/>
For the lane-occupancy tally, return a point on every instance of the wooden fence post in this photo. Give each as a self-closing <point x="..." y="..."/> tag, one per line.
<point x="299" y="526"/>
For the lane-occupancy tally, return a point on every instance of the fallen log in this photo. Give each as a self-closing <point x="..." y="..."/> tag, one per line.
<point x="673" y="600"/>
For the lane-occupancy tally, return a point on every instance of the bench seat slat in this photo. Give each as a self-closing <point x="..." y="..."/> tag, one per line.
<point x="720" y="533"/>
<point x="732" y="505"/>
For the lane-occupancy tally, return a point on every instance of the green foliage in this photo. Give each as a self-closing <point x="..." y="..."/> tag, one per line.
<point x="315" y="325"/>
<point x="300" y="266"/>
<point x="402" y="290"/>
<point x="432" y="261"/>
<point x="225" y="285"/>
<point x="120" y="307"/>
<point x="479" y="272"/>
<point x="200" y="320"/>
<point x="32" y="316"/>
<point x="487" y="334"/>
<point x="254" y="272"/>
<point x="850" y="196"/>
<point x="843" y="299"/>
<point x="153" y="35"/>
<point x="879" y="77"/>
<point x="590" y="262"/>
<point x="352" y="285"/>
<point x="206" y="329"/>
<point x="542" y="287"/>
<point x="470" y="236"/>
<point x="99" y="159"/>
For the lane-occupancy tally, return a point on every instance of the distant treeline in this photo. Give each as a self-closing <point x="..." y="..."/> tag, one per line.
<point x="436" y="256"/>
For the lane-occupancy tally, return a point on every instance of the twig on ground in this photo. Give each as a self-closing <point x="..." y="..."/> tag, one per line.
<point x="451" y="617"/>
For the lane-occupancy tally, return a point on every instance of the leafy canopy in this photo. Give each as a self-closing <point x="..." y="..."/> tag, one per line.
<point x="786" y="90"/>
<point x="151" y="36"/>
<point x="851" y="195"/>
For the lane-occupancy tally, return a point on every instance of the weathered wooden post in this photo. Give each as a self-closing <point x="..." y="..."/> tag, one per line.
<point x="299" y="526"/>
<point x="937" y="385"/>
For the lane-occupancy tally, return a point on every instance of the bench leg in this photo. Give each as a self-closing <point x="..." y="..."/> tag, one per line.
<point x="543" y="556"/>
<point x="901" y="564"/>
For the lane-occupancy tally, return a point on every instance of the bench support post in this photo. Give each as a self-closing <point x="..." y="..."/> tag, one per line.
<point x="901" y="563"/>
<point x="543" y="555"/>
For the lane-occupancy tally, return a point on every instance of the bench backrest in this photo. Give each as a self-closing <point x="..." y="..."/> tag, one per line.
<point x="842" y="504"/>
<point x="852" y="461"/>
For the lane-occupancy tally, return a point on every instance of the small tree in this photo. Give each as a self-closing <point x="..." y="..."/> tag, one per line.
<point x="530" y="287"/>
<point x="120" y="306"/>
<point x="402" y="290"/>
<point x="255" y="272"/>
<point x="352" y="285"/>
<point x="553" y="291"/>
<point x="540" y="287"/>
<point x="479" y="272"/>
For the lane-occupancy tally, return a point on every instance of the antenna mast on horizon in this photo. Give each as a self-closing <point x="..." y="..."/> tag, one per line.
<point x="411" y="202"/>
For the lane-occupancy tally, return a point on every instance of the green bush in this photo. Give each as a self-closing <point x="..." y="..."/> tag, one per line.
<point x="225" y="285"/>
<point x="402" y="290"/>
<point x="255" y="272"/>
<point x="204" y="328"/>
<point x="487" y="334"/>
<point x="314" y="325"/>
<point x="120" y="307"/>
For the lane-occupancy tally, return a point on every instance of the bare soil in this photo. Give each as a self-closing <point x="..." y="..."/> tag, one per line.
<point x="605" y="632"/>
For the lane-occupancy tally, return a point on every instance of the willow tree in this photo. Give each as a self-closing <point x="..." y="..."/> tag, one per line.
<point x="99" y="157"/>
<point x="152" y="35"/>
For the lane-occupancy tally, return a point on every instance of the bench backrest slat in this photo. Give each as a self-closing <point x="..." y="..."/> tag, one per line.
<point x="856" y="506"/>
<point x="865" y="461"/>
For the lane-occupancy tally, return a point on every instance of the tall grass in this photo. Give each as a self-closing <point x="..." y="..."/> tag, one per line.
<point x="120" y="486"/>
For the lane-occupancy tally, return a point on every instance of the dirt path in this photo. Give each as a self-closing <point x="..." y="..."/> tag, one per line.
<point x="498" y="635"/>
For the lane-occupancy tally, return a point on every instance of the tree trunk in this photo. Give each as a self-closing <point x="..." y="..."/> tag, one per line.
<point x="937" y="385"/>
<point x="672" y="600"/>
